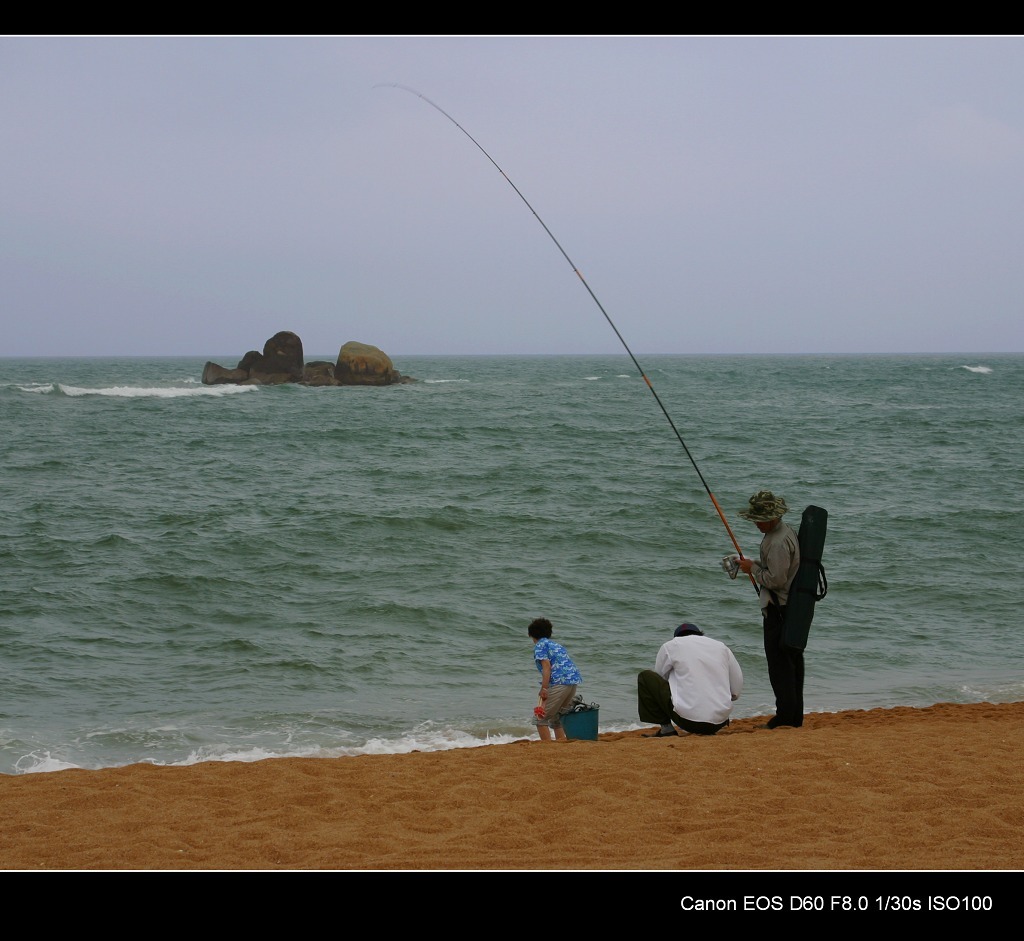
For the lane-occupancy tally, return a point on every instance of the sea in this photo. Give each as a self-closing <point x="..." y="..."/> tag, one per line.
<point x="198" y="573"/>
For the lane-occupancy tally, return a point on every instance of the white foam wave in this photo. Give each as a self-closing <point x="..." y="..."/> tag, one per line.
<point x="136" y="392"/>
<point x="427" y="737"/>
<point x="1010" y="691"/>
<point x="982" y="369"/>
<point x="35" y="764"/>
<point x="422" y="739"/>
<point x="438" y="382"/>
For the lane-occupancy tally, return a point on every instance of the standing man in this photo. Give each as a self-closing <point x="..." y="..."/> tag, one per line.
<point x="773" y="573"/>
<point x="694" y="683"/>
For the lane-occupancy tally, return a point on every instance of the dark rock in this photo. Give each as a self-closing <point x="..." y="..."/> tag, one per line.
<point x="281" y="361"/>
<point x="319" y="373"/>
<point x="217" y="375"/>
<point x="360" y="364"/>
<point x="252" y="358"/>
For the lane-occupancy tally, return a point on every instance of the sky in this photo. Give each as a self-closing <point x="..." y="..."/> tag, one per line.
<point x="194" y="195"/>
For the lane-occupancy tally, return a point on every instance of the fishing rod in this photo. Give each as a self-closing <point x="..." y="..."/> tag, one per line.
<point x="600" y="307"/>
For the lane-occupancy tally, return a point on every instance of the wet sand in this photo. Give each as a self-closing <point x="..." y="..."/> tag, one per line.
<point x="885" y="789"/>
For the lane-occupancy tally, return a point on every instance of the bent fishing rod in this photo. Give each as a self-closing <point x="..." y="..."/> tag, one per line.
<point x="600" y="307"/>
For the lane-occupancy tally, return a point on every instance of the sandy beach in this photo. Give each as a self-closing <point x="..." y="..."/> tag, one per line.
<point x="885" y="789"/>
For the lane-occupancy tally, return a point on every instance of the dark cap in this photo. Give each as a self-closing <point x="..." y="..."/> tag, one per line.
<point x="684" y="629"/>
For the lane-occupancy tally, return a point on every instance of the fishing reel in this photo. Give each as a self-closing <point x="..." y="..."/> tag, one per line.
<point x="731" y="565"/>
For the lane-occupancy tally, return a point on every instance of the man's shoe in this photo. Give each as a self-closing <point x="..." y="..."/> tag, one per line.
<point x="661" y="733"/>
<point x="774" y="723"/>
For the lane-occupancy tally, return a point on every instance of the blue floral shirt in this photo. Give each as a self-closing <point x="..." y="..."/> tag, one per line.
<point x="563" y="670"/>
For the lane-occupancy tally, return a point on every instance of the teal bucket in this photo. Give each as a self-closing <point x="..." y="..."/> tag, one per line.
<point x="581" y="724"/>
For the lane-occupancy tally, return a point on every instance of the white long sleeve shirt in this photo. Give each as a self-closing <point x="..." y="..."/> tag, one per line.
<point x="703" y="675"/>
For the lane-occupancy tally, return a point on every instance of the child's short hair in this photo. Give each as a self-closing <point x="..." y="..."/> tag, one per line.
<point x="539" y="628"/>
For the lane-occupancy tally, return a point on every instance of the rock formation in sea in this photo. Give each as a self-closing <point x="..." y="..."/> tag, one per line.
<point x="358" y="364"/>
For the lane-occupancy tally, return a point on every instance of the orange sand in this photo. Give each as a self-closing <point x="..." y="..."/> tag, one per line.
<point x="892" y="789"/>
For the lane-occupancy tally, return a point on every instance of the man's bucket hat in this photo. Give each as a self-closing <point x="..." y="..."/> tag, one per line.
<point x="764" y="507"/>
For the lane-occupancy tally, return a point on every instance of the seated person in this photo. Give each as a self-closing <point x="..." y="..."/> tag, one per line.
<point x="694" y="683"/>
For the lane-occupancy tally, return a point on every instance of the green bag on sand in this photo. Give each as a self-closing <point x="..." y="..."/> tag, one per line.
<point x="809" y="585"/>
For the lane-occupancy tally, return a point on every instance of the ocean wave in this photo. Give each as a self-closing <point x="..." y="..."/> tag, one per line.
<point x="137" y="392"/>
<point x="1005" y="691"/>
<point x="426" y="737"/>
<point x="39" y="763"/>
<point x="981" y="369"/>
<point x="297" y="573"/>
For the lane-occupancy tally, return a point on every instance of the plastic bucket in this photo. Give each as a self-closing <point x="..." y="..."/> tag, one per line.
<point x="581" y="724"/>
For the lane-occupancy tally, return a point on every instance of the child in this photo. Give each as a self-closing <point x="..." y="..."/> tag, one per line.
<point x="558" y="680"/>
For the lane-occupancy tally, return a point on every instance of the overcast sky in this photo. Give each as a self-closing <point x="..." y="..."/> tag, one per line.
<point x="194" y="195"/>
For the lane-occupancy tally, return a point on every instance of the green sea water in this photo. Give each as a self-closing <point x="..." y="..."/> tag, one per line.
<point x="199" y="573"/>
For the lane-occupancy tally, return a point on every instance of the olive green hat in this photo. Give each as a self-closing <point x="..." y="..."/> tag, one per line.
<point x="764" y="507"/>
